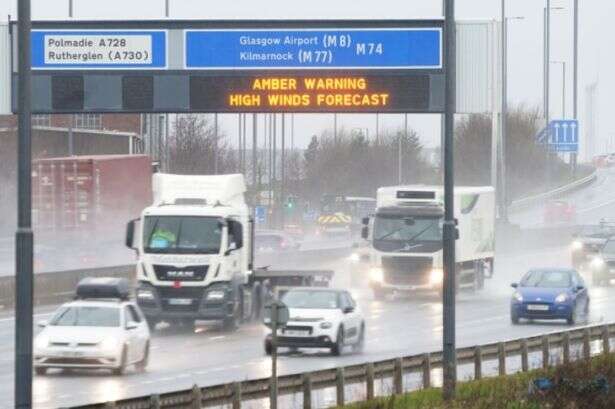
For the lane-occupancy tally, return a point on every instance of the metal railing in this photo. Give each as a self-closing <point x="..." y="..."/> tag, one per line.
<point x="571" y="187"/>
<point x="236" y="393"/>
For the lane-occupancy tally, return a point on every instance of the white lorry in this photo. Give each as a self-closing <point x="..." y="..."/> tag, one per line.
<point x="405" y="237"/>
<point x="195" y="253"/>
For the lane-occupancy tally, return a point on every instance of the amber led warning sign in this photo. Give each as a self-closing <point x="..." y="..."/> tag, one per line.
<point x="307" y="93"/>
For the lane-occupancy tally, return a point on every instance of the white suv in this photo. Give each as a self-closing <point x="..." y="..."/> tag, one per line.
<point x="102" y="329"/>
<point x="320" y="318"/>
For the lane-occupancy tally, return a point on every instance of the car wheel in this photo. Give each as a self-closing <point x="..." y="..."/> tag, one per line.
<point x="40" y="370"/>
<point x="358" y="346"/>
<point x="122" y="367"/>
<point x="514" y="319"/>
<point x="141" y="366"/>
<point x="572" y="319"/>
<point x="336" y="349"/>
<point x="268" y="348"/>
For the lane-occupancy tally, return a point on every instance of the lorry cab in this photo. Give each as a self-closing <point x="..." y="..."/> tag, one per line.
<point x="405" y="238"/>
<point x="194" y="249"/>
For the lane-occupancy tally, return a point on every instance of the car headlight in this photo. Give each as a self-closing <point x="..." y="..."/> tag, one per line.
<point x="436" y="276"/>
<point x="577" y="245"/>
<point x="326" y="325"/>
<point x="42" y="341"/>
<point x="354" y="257"/>
<point x="145" y="294"/>
<point x="109" y="343"/>
<point x="376" y="275"/>
<point x="563" y="297"/>
<point x="517" y="296"/>
<point x="597" y="262"/>
<point x="216" y="295"/>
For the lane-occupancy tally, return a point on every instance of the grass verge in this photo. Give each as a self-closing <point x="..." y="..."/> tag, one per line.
<point x="577" y="386"/>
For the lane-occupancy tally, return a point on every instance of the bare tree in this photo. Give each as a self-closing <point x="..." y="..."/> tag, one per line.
<point x="195" y="148"/>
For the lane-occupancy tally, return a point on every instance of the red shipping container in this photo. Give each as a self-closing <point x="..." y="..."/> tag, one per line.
<point x="89" y="194"/>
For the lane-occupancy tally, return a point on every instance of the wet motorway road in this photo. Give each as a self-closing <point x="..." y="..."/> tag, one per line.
<point x="396" y="327"/>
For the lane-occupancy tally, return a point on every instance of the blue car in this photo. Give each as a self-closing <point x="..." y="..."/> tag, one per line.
<point x="550" y="293"/>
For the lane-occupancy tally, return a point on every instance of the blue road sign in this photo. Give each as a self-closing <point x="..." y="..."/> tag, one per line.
<point x="99" y="49"/>
<point x="260" y="214"/>
<point x="362" y="48"/>
<point x="562" y="135"/>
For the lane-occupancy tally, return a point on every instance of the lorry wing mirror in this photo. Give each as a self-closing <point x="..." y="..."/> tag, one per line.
<point x="365" y="221"/>
<point x="231" y="247"/>
<point x="130" y="234"/>
<point x="364" y="232"/>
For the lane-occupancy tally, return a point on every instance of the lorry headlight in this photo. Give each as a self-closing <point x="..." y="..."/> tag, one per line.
<point x="517" y="296"/>
<point x="577" y="245"/>
<point x="216" y="295"/>
<point x="41" y="342"/>
<point x="563" y="297"/>
<point x="354" y="257"/>
<point x="376" y="274"/>
<point x="325" y="325"/>
<point x="436" y="276"/>
<point x="597" y="262"/>
<point x="145" y="294"/>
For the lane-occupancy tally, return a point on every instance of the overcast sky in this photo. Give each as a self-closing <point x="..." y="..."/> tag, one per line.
<point x="525" y="44"/>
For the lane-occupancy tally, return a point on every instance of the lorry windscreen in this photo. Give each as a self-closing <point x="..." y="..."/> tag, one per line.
<point x="396" y="233"/>
<point x="182" y="234"/>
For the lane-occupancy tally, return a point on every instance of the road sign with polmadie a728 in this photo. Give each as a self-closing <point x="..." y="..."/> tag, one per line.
<point x="564" y="135"/>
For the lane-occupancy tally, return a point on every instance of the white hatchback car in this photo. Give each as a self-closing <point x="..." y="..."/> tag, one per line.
<point x="320" y="318"/>
<point x="102" y="329"/>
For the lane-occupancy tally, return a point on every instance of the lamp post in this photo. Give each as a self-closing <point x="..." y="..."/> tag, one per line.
<point x="546" y="59"/>
<point x="563" y="64"/>
<point x="503" y="193"/>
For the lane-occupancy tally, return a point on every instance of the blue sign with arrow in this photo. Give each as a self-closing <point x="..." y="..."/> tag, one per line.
<point x="260" y="214"/>
<point x="562" y="135"/>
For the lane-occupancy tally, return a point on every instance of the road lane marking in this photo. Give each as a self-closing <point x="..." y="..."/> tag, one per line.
<point x="216" y="338"/>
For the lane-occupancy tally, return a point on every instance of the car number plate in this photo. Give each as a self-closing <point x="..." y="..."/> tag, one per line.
<point x="538" y="307"/>
<point x="180" y="301"/>
<point x="295" y="333"/>
<point x="72" y="354"/>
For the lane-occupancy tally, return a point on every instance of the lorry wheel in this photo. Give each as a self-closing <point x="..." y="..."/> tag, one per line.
<point x="257" y="301"/>
<point x="230" y="323"/>
<point x="40" y="370"/>
<point x="268" y="348"/>
<point x="479" y="280"/>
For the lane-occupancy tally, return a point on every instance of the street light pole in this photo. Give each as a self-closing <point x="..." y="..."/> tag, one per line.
<point x="449" y="355"/>
<point x="575" y="75"/>
<point x="24" y="240"/>
<point x="504" y="114"/>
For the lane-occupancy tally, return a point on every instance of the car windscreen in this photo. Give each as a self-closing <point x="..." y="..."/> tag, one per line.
<point x="182" y="234"/>
<point x="547" y="279"/>
<point x="86" y="317"/>
<point x="311" y="299"/>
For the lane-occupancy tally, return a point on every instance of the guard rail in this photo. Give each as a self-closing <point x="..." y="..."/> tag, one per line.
<point x="236" y="394"/>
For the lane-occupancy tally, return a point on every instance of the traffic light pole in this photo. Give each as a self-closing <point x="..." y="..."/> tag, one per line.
<point x="24" y="240"/>
<point x="449" y="356"/>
